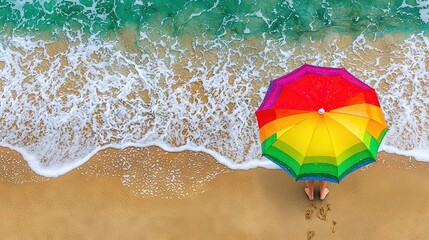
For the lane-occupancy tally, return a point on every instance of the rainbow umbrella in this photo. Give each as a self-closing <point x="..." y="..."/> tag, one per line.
<point x="320" y="123"/>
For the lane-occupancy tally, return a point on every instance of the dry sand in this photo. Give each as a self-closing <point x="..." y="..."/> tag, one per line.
<point x="387" y="200"/>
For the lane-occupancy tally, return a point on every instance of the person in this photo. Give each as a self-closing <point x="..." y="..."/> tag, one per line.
<point x="309" y="190"/>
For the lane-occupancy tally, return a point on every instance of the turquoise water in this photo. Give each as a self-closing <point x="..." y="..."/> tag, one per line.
<point x="239" y="19"/>
<point x="77" y="77"/>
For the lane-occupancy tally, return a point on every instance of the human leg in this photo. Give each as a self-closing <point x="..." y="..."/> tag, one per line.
<point x="323" y="189"/>
<point x="309" y="190"/>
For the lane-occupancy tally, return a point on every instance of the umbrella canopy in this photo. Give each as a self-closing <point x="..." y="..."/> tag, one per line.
<point x="320" y="123"/>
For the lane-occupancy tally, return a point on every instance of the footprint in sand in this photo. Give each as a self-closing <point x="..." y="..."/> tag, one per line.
<point x="308" y="214"/>
<point x="334" y="224"/>
<point x="322" y="213"/>
<point x="310" y="235"/>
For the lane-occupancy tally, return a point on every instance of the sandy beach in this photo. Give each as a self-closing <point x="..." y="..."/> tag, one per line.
<point x="387" y="200"/>
<point x="80" y="76"/>
<point x="151" y="194"/>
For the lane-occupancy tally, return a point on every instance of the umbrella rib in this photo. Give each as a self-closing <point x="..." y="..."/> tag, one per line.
<point x="332" y="143"/>
<point x="354" y="115"/>
<point x="356" y="136"/>
<point x="305" y="119"/>
<point x="308" y="146"/>
<point x="351" y="114"/>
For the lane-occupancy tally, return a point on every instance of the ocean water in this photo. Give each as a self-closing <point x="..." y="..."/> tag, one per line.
<point x="80" y="76"/>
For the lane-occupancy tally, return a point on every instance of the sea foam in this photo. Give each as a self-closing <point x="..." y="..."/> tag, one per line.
<point x="63" y="101"/>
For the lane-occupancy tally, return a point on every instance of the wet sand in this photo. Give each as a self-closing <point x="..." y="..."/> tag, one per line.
<point x="387" y="200"/>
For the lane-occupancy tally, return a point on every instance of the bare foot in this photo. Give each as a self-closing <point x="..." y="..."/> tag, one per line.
<point x="324" y="193"/>
<point x="309" y="194"/>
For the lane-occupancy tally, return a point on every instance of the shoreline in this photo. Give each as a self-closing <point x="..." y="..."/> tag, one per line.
<point x="379" y="54"/>
<point x="236" y="204"/>
<point x="15" y="169"/>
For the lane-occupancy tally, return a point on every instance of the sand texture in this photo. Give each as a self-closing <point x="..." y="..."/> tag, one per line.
<point x="388" y="200"/>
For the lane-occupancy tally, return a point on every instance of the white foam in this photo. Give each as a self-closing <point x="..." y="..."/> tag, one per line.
<point x="422" y="5"/>
<point x="119" y="99"/>
<point x="205" y="10"/>
<point x="424" y="15"/>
